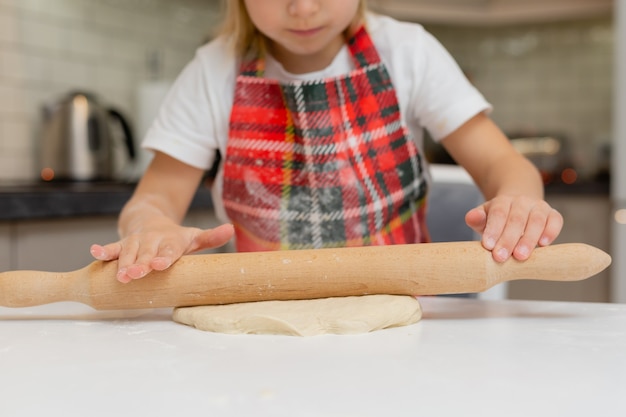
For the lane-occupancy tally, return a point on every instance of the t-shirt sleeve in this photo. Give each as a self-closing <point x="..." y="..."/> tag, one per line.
<point x="192" y="117"/>
<point x="443" y="99"/>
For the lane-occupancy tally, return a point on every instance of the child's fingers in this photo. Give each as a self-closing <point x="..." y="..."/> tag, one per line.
<point x="535" y="227"/>
<point x="476" y="219"/>
<point x="497" y="218"/>
<point x="553" y="227"/>
<point x="127" y="261"/>
<point x="107" y="252"/>
<point x="212" y="238"/>
<point x="512" y="231"/>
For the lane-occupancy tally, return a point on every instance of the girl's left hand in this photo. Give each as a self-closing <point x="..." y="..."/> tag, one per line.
<point x="514" y="225"/>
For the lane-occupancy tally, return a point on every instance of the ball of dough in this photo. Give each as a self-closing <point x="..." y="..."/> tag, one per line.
<point x="337" y="315"/>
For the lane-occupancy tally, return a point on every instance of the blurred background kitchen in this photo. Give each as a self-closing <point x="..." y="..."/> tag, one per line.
<point x="546" y="65"/>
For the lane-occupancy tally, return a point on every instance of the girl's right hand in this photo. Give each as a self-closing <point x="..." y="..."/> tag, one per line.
<point x="157" y="248"/>
<point x="152" y="237"/>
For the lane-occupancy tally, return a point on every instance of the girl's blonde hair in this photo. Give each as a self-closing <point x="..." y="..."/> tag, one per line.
<point x="238" y="25"/>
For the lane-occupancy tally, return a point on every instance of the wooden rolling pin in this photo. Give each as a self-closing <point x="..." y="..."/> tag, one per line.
<point x="415" y="269"/>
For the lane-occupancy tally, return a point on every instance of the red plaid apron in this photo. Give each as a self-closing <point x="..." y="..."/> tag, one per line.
<point x="323" y="163"/>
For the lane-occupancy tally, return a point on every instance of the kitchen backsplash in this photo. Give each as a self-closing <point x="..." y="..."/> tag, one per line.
<point x="546" y="78"/>
<point x="50" y="47"/>
<point x="540" y="78"/>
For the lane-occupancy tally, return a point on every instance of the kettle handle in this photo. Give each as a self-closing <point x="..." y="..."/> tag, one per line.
<point x="128" y="134"/>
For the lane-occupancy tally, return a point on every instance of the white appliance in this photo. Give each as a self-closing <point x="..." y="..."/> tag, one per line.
<point x="452" y="193"/>
<point x="618" y="156"/>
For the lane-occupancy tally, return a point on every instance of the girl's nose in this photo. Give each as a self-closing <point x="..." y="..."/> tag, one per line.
<point x="303" y="8"/>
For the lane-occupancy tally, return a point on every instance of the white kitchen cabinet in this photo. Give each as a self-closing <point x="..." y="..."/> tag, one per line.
<point x="5" y="247"/>
<point x="587" y="220"/>
<point x="63" y="244"/>
<point x="60" y="244"/>
<point x="491" y="12"/>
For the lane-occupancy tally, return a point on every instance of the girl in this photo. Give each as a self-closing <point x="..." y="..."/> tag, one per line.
<point x="318" y="109"/>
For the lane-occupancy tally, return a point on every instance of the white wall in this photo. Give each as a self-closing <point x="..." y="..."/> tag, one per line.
<point x="551" y="78"/>
<point x="554" y="77"/>
<point x="48" y="47"/>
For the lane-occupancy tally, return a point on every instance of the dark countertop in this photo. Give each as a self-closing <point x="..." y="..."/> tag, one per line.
<point x="597" y="188"/>
<point x="57" y="200"/>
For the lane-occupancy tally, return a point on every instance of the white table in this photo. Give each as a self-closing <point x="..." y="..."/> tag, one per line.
<point x="465" y="358"/>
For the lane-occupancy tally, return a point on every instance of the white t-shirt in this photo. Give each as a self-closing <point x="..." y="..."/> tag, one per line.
<point x="433" y="93"/>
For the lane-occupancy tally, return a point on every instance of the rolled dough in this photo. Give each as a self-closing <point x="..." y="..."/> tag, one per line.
<point x="337" y="315"/>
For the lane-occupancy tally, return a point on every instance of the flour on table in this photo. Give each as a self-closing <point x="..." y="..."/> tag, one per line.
<point x="336" y="315"/>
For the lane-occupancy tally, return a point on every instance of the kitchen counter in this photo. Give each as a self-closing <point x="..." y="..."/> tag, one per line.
<point x="55" y="200"/>
<point x="27" y="201"/>
<point x="466" y="357"/>
<point x="599" y="188"/>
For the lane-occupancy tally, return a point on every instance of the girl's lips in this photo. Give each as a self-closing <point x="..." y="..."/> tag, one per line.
<point x="307" y="32"/>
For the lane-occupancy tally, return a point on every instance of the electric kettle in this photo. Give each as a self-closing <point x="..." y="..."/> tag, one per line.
<point x="81" y="139"/>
